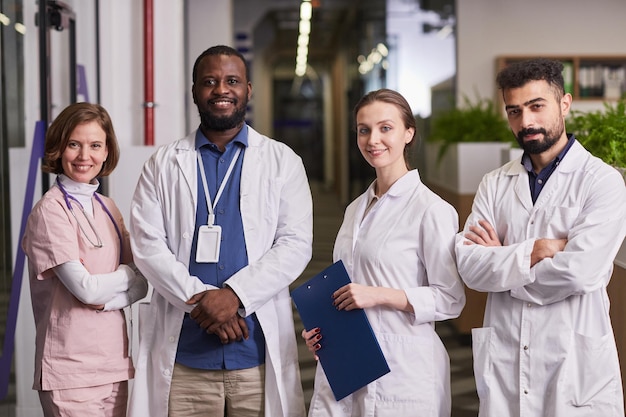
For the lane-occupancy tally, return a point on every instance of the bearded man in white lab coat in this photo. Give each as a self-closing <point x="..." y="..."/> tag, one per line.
<point x="221" y="224"/>
<point x="541" y="240"/>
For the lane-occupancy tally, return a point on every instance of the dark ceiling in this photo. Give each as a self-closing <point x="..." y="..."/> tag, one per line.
<point x="332" y="21"/>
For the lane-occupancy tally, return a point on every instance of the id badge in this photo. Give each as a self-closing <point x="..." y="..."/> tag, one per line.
<point x="209" y="238"/>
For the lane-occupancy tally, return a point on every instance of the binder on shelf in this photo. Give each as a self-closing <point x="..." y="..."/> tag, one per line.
<point x="350" y="354"/>
<point x="568" y="77"/>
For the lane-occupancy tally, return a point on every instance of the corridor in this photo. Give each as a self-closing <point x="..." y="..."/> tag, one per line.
<point x="327" y="217"/>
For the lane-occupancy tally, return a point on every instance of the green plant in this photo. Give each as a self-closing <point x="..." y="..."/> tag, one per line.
<point x="603" y="133"/>
<point x="478" y="121"/>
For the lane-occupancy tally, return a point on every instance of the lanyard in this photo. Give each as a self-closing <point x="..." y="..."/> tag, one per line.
<point x="210" y="206"/>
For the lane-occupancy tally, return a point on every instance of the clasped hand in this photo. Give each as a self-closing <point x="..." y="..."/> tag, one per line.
<point x="216" y="313"/>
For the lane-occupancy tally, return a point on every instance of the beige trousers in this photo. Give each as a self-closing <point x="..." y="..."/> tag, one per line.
<point x="202" y="393"/>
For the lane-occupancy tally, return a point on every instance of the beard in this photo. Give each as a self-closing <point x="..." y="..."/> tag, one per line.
<point x="535" y="147"/>
<point x="210" y="121"/>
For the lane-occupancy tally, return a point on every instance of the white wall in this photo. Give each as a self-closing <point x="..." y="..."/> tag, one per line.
<point x="122" y="71"/>
<point x="488" y="28"/>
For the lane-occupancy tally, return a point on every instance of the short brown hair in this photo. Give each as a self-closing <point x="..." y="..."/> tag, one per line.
<point x="59" y="132"/>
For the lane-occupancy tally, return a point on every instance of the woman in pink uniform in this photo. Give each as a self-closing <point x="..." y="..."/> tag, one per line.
<point x="81" y="272"/>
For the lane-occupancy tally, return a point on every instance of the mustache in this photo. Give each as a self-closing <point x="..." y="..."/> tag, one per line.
<point x="530" y="131"/>
<point x="230" y="99"/>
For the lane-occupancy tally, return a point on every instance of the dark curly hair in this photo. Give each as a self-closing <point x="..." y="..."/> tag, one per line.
<point x="519" y="73"/>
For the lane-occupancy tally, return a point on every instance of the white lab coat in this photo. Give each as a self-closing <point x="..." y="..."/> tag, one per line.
<point x="276" y="210"/>
<point x="406" y="242"/>
<point x="547" y="345"/>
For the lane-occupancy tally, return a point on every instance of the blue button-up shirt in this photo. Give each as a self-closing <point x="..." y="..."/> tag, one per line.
<point x="196" y="348"/>
<point x="537" y="181"/>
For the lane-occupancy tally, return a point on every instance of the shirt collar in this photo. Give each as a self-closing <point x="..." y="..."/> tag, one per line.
<point x="241" y="137"/>
<point x="528" y="165"/>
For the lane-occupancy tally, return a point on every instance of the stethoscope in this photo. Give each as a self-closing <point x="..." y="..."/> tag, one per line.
<point x="98" y="244"/>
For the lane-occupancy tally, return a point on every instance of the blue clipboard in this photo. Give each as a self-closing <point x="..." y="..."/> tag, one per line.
<point x="350" y="354"/>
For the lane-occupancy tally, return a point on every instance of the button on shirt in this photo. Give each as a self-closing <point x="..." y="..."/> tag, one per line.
<point x="537" y="181"/>
<point x="196" y="348"/>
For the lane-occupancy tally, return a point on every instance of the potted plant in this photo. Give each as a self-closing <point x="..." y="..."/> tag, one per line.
<point x="478" y="121"/>
<point x="603" y="133"/>
<point x="466" y="142"/>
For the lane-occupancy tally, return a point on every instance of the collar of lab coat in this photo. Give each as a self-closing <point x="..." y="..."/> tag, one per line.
<point x="404" y="183"/>
<point x="570" y="163"/>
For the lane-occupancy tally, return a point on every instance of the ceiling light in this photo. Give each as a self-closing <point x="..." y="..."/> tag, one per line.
<point x="306" y="10"/>
<point x="20" y="28"/>
<point x="4" y="19"/>
<point x="376" y="56"/>
<point x="303" y="39"/>
<point x="382" y="49"/>
<point x="304" y="29"/>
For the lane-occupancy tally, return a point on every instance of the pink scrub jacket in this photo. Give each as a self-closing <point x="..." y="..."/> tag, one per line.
<point x="76" y="346"/>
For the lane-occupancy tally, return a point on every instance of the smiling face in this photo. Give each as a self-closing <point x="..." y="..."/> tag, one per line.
<point x="221" y="92"/>
<point x="382" y="137"/>
<point x="536" y="114"/>
<point x="85" y="152"/>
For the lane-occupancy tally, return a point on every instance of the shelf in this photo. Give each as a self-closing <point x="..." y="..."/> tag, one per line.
<point x="586" y="77"/>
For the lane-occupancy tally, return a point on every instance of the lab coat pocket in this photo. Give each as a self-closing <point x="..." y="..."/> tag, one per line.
<point x="482" y="349"/>
<point x="73" y="342"/>
<point x="591" y="379"/>
<point x="411" y="383"/>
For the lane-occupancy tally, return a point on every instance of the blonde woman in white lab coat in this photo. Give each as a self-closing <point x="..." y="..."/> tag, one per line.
<point x="397" y="243"/>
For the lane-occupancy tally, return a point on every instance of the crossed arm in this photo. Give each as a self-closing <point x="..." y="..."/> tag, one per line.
<point x="485" y="235"/>
<point x="105" y="292"/>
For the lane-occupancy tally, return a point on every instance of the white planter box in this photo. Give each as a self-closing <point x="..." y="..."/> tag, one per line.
<point x="511" y="154"/>
<point x="463" y="165"/>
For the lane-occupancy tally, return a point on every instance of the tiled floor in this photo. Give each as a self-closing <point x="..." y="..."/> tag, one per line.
<point x="328" y="214"/>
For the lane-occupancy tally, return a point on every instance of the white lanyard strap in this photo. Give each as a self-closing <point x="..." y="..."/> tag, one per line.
<point x="210" y="206"/>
